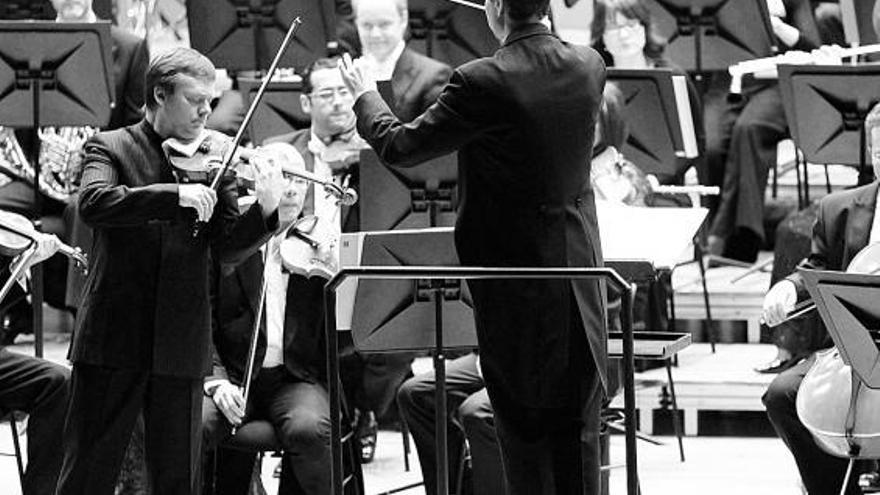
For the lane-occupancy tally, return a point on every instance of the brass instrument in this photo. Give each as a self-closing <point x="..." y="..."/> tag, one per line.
<point x="60" y="159"/>
<point x="794" y="57"/>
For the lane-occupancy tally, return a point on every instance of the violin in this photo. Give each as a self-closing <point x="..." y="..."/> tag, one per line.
<point x="17" y="234"/>
<point x="311" y="247"/>
<point x="833" y="403"/>
<point x="201" y="160"/>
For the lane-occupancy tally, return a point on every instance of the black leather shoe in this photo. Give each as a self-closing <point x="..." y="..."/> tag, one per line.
<point x="777" y="366"/>
<point x="367" y="431"/>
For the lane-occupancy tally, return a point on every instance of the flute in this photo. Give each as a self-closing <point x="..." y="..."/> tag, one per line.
<point x="737" y="71"/>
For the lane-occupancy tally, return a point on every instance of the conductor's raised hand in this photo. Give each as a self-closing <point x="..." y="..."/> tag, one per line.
<point x="200" y="197"/>
<point x="358" y="79"/>
<point x="268" y="183"/>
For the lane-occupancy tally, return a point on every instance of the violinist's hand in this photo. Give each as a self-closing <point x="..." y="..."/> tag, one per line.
<point x="230" y="401"/>
<point x="786" y="33"/>
<point x="47" y="245"/>
<point x="356" y="76"/>
<point x="268" y="183"/>
<point x="200" y="197"/>
<point x="779" y="301"/>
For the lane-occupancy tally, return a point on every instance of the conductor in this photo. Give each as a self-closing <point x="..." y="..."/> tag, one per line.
<point x="523" y="122"/>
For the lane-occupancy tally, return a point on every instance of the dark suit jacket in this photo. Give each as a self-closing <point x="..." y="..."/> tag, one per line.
<point x="130" y="61"/>
<point x="523" y="123"/>
<point x="416" y="82"/>
<point x="146" y="303"/>
<point x="235" y="307"/>
<point x="843" y="225"/>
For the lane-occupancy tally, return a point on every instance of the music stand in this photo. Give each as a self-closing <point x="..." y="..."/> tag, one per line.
<point x="848" y="306"/>
<point x="279" y="112"/>
<point x="47" y="77"/>
<point x="451" y="33"/>
<point x="244" y="34"/>
<point x="826" y="108"/>
<point x="659" y="119"/>
<point x="425" y="195"/>
<point x="710" y="35"/>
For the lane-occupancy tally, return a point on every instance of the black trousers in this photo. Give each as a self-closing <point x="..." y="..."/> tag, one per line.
<point x="821" y="473"/>
<point x="741" y="139"/>
<point x="40" y="389"/>
<point x="104" y="405"/>
<point x="300" y="413"/>
<point x="469" y="415"/>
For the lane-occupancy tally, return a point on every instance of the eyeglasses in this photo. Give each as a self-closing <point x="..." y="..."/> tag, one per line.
<point x="293" y="179"/>
<point x="617" y="28"/>
<point x="326" y="95"/>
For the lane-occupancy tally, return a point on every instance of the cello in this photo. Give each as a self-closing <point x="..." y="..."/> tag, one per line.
<point x="833" y="403"/>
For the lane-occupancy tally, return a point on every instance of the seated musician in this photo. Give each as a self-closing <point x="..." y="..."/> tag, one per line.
<point x="289" y="385"/>
<point x="741" y="138"/>
<point x="331" y="148"/>
<point x="416" y="80"/>
<point x="40" y="389"/>
<point x="129" y="64"/>
<point x="847" y="222"/>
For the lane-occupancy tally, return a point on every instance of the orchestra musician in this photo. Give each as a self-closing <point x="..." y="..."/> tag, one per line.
<point x="130" y="59"/>
<point x="416" y="80"/>
<point x="331" y="147"/>
<point x="141" y="339"/>
<point x="39" y="388"/>
<point x="289" y="386"/>
<point x="526" y="201"/>
<point x="741" y="138"/>
<point x="847" y="222"/>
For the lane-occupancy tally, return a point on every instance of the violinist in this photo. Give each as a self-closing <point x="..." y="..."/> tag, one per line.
<point x="847" y="222"/>
<point x="39" y="388"/>
<point x="416" y="80"/>
<point x="331" y="147"/>
<point x="289" y="385"/>
<point x="142" y="334"/>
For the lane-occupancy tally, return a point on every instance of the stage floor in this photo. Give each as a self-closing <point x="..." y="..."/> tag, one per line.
<point x="719" y="465"/>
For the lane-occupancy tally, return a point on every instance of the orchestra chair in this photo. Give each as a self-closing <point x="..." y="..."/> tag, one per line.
<point x="259" y="436"/>
<point x="13" y="426"/>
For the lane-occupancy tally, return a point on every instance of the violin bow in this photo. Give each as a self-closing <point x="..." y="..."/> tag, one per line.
<point x="239" y="134"/>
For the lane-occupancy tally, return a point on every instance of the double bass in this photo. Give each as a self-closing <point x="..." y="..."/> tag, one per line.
<point x="833" y="403"/>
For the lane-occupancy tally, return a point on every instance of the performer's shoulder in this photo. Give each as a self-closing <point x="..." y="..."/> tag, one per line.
<point x="862" y="194"/>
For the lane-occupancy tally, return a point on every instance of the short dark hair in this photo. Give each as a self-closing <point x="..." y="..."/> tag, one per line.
<point x="165" y="69"/>
<point x="320" y="64"/>
<point x="521" y="10"/>
<point x="631" y="9"/>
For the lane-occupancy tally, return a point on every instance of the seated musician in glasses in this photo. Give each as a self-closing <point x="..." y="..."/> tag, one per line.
<point x="847" y="222"/>
<point x="288" y="388"/>
<point x="39" y="388"/>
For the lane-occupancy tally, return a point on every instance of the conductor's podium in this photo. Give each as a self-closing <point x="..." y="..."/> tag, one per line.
<point x="723" y="381"/>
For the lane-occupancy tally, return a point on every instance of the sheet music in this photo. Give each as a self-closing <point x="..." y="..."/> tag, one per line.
<point x="660" y="235"/>
<point x="685" y="117"/>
